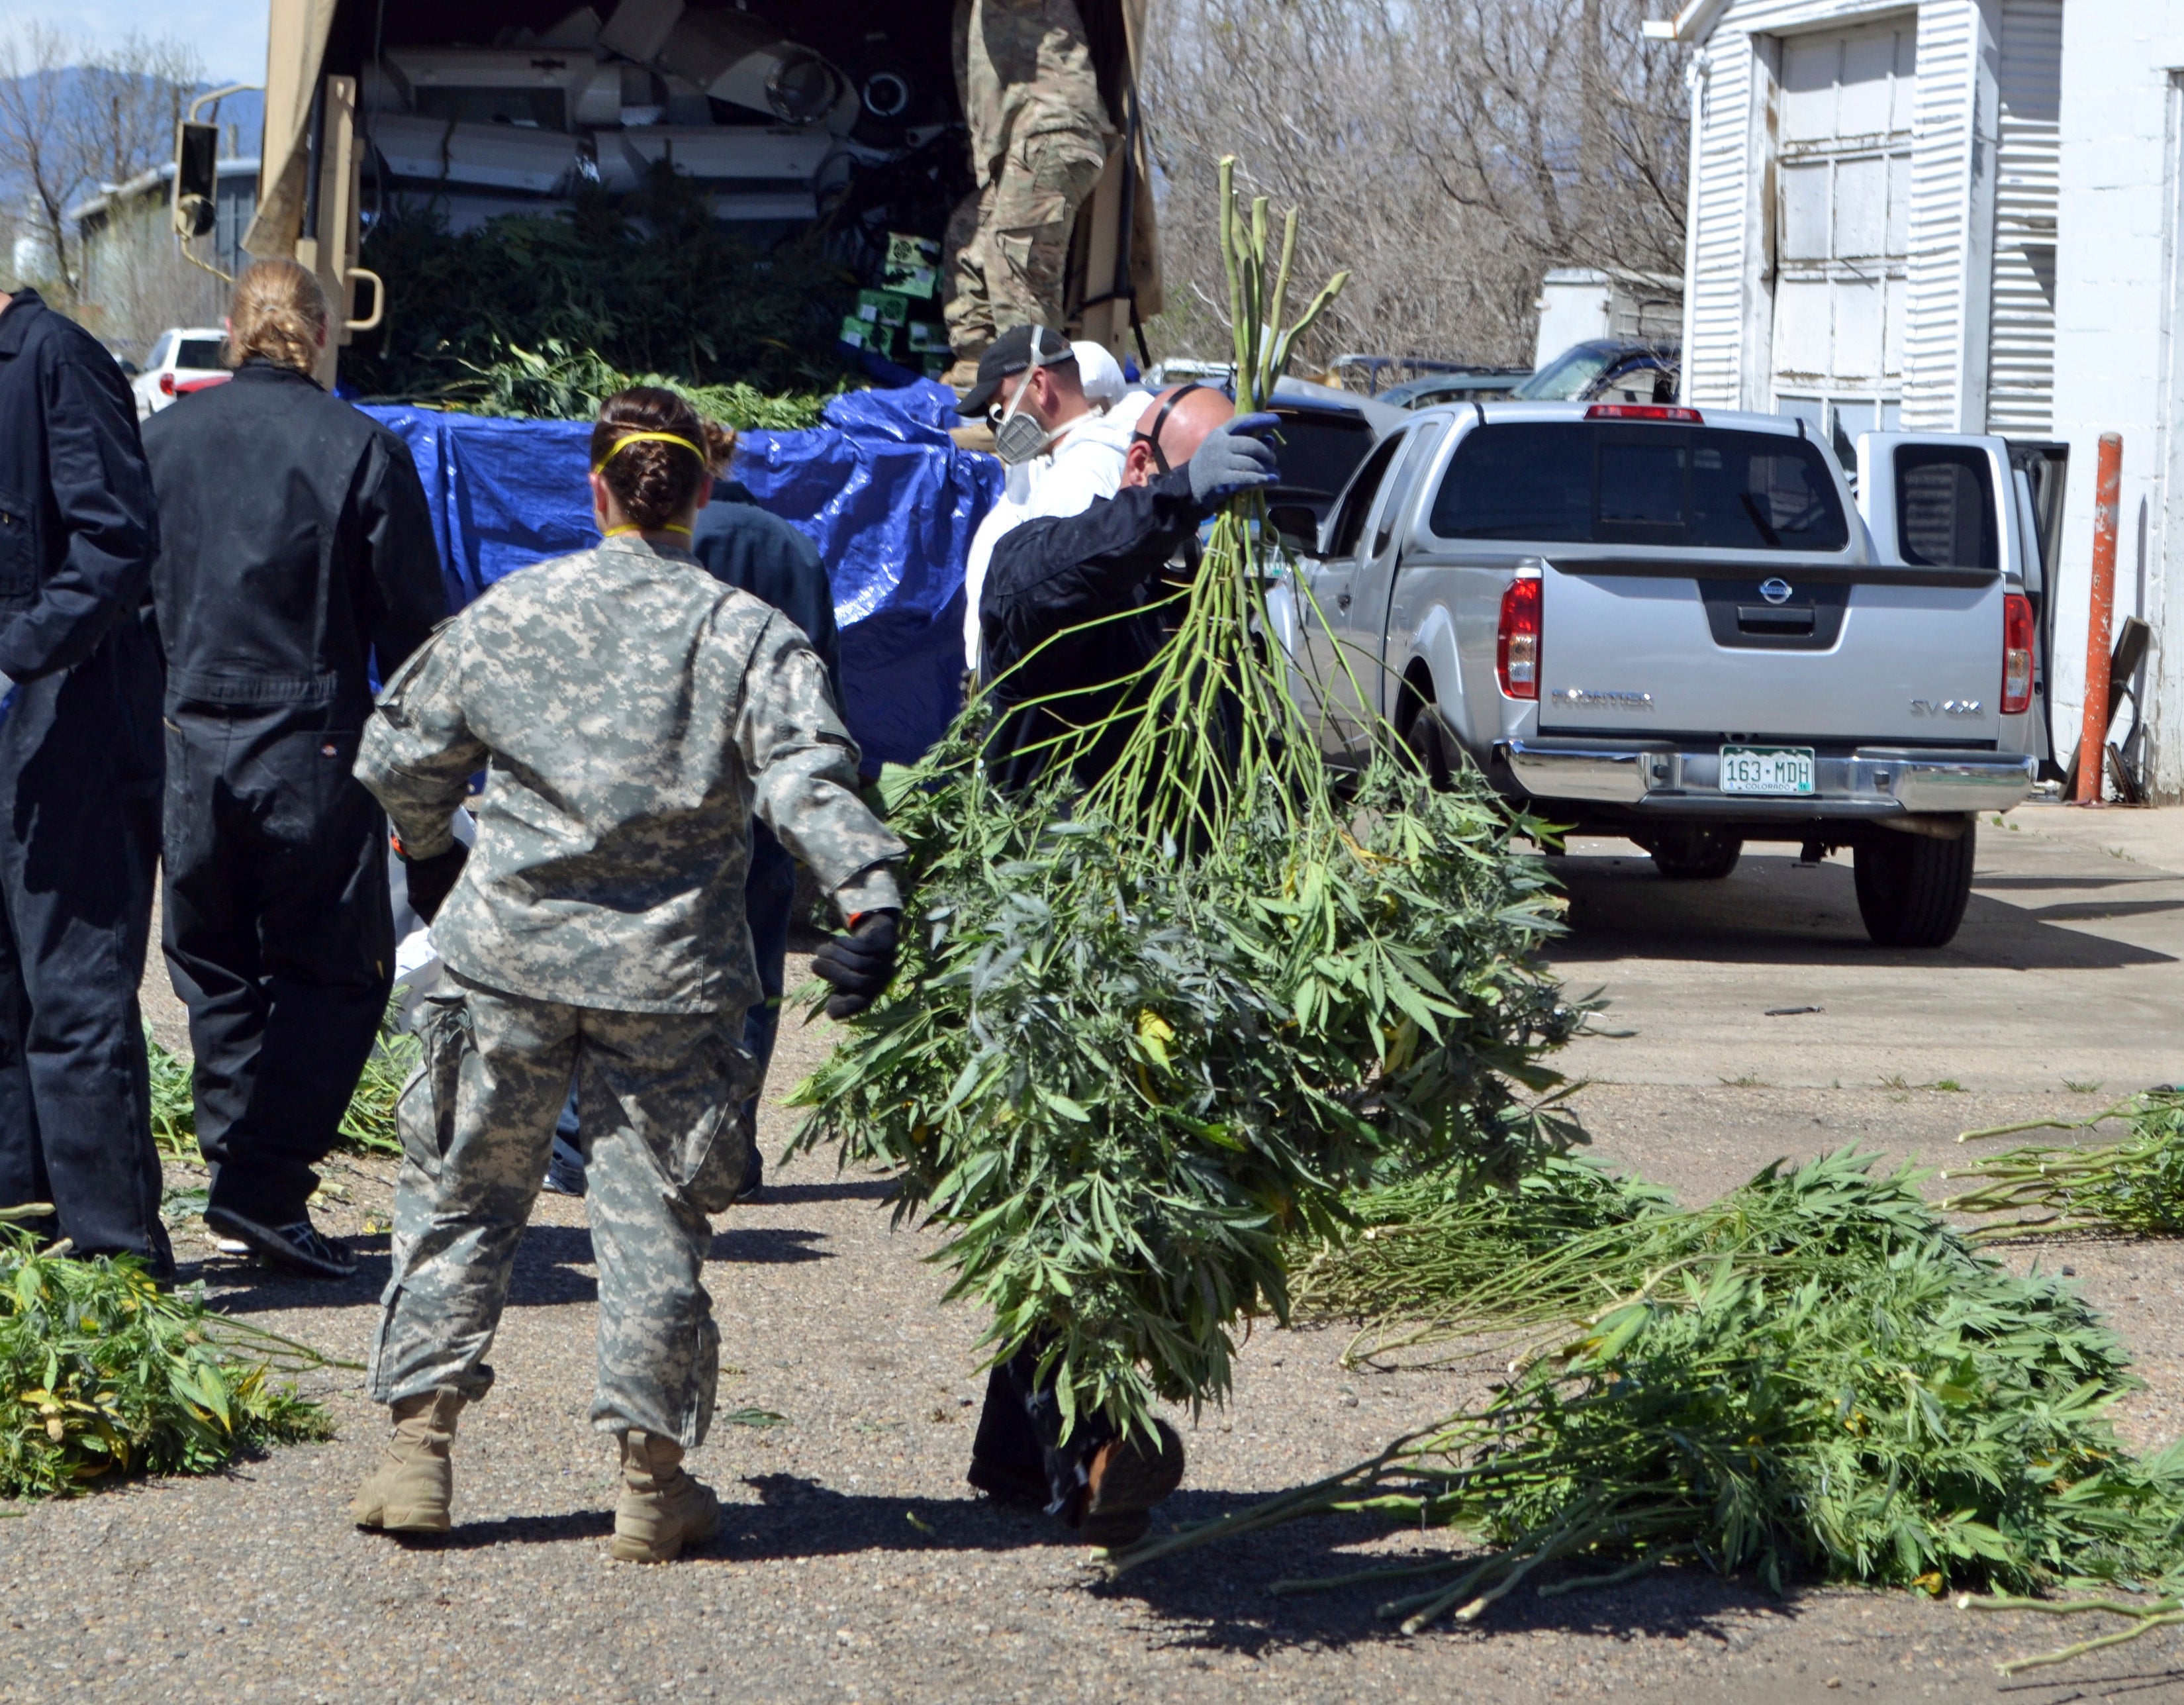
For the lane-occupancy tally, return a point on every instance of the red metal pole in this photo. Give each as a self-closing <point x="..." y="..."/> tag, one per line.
<point x="2093" y="732"/>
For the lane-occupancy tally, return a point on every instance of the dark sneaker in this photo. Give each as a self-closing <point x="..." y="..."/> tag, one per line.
<point x="1007" y="1485"/>
<point x="297" y="1248"/>
<point x="1127" y="1479"/>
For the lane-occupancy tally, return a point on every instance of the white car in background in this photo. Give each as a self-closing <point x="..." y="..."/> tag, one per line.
<point x="182" y="360"/>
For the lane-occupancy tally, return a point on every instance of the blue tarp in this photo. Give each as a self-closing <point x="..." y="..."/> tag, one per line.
<point x="879" y="488"/>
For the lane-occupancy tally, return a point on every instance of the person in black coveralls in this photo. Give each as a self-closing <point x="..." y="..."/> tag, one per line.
<point x="79" y="788"/>
<point x="296" y="551"/>
<point x="1047" y="577"/>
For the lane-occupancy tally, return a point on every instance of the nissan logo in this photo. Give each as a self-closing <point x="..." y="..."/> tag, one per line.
<point x="1775" y="591"/>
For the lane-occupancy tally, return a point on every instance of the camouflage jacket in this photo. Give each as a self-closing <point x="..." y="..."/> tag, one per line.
<point x="632" y="714"/>
<point x="1021" y="67"/>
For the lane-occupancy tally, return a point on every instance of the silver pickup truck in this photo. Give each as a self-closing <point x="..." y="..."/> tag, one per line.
<point x="1682" y="627"/>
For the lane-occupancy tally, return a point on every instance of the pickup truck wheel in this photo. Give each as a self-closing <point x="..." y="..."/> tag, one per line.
<point x="1431" y="748"/>
<point x="1695" y="854"/>
<point x="1912" y="888"/>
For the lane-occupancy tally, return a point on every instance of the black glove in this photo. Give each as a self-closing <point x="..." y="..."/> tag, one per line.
<point x="429" y="880"/>
<point x="860" y="964"/>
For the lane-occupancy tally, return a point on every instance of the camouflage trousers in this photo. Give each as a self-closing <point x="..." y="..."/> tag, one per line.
<point x="1009" y="271"/>
<point x="663" y="1113"/>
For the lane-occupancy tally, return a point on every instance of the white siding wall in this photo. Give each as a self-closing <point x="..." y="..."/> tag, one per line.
<point x="1730" y="292"/>
<point x="2020" y="386"/>
<point x="1721" y="179"/>
<point x="1945" y="344"/>
<point x="2117" y="300"/>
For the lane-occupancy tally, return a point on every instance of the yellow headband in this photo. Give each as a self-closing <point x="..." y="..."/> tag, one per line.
<point x="650" y="437"/>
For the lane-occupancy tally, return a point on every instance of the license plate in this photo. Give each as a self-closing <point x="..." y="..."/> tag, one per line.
<point x="1767" y="769"/>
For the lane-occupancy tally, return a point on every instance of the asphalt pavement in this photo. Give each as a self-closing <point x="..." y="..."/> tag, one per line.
<point x="855" y="1565"/>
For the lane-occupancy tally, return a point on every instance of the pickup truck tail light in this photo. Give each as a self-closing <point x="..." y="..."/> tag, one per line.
<point x="166" y="384"/>
<point x="2016" y="654"/>
<point x="1516" y="645"/>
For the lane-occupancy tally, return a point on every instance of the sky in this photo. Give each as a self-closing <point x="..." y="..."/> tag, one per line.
<point x="229" y="35"/>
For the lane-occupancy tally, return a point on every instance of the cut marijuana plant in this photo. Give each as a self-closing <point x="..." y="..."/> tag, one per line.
<point x="1814" y="1374"/>
<point x="102" y="1374"/>
<point x="2135" y="1186"/>
<point x="1148" y="1028"/>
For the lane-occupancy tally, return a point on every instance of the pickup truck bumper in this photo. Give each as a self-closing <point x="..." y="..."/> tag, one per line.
<point x="1870" y="782"/>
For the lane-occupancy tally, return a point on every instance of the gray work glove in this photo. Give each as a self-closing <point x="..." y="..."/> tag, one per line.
<point x="1231" y="461"/>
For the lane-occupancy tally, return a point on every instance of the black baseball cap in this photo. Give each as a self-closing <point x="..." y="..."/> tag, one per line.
<point x="1016" y="350"/>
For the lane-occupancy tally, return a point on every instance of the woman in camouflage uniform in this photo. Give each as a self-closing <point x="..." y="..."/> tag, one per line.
<point x="632" y="714"/>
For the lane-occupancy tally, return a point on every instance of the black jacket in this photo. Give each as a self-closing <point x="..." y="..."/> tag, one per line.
<point x="757" y="552"/>
<point x="78" y="528"/>
<point x="295" y="543"/>
<point x="1056" y="573"/>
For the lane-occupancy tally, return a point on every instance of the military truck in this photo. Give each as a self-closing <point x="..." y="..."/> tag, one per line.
<point x="783" y="113"/>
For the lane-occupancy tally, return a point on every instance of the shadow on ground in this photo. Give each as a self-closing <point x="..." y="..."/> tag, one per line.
<point x="553" y="1267"/>
<point x="1773" y="910"/>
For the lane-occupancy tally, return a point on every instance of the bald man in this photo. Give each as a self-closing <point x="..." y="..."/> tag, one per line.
<point x="1187" y="456"/>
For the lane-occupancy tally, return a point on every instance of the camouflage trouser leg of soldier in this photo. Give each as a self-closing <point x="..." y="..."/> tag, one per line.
<point x="1024" y="238"/>
<point x="665" y="1110"/>
<point x="968" y="314"/>
<point x="662" y="1107"/>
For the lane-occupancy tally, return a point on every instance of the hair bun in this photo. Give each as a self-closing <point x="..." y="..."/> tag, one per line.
<point x="652" y="481"/>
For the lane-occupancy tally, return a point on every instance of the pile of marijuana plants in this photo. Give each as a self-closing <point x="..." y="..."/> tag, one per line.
<point x="1814" y="1375"/>
<point x="101" y="1375"/>
<point x="1149" y="1028"/>
<point x="648" y="283"/>
<point x="558" y="383"/>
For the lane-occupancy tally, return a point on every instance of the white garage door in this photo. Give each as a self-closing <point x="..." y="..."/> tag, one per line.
<point x="1842" y="224"/>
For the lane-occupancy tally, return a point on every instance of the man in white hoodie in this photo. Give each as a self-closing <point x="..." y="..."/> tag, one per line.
<point x="1083" y="418"/>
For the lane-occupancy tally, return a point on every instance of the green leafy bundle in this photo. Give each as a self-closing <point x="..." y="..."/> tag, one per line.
<point x="2135" y="1186"/>
<point x="1430" y="1238"/>
<point x="648" y="282"/>
<point x="101" y="1375"/>
<point x="1148" y="1028"/>
<point x="558" y="383"/>
<point x="1816" y="1374"/>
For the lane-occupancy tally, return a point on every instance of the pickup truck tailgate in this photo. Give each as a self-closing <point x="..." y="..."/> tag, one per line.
<point x="1642" y="646"/>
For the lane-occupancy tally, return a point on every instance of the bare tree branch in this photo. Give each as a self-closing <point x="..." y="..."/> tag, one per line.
<point x="1437" y="149"/>
<point x="74" y="119"/>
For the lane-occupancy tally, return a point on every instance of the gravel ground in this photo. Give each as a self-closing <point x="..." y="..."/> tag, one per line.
<point x="853" y="1563"/>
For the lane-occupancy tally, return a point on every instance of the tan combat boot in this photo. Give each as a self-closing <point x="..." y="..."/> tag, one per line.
<point x="409" y="1492"/>
<point x="662" y="1509"/>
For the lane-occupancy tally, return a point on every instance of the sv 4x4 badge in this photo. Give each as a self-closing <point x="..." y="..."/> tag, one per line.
<point x="1945" y="707"/>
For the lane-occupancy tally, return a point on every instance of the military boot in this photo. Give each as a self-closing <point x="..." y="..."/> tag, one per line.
<point x="409" y="1491"/>
<point x="662" y="1509"/>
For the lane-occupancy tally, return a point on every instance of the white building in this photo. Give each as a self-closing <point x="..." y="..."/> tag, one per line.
<point x="1577" y="304"/>
<point x="1956" y="216"/>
